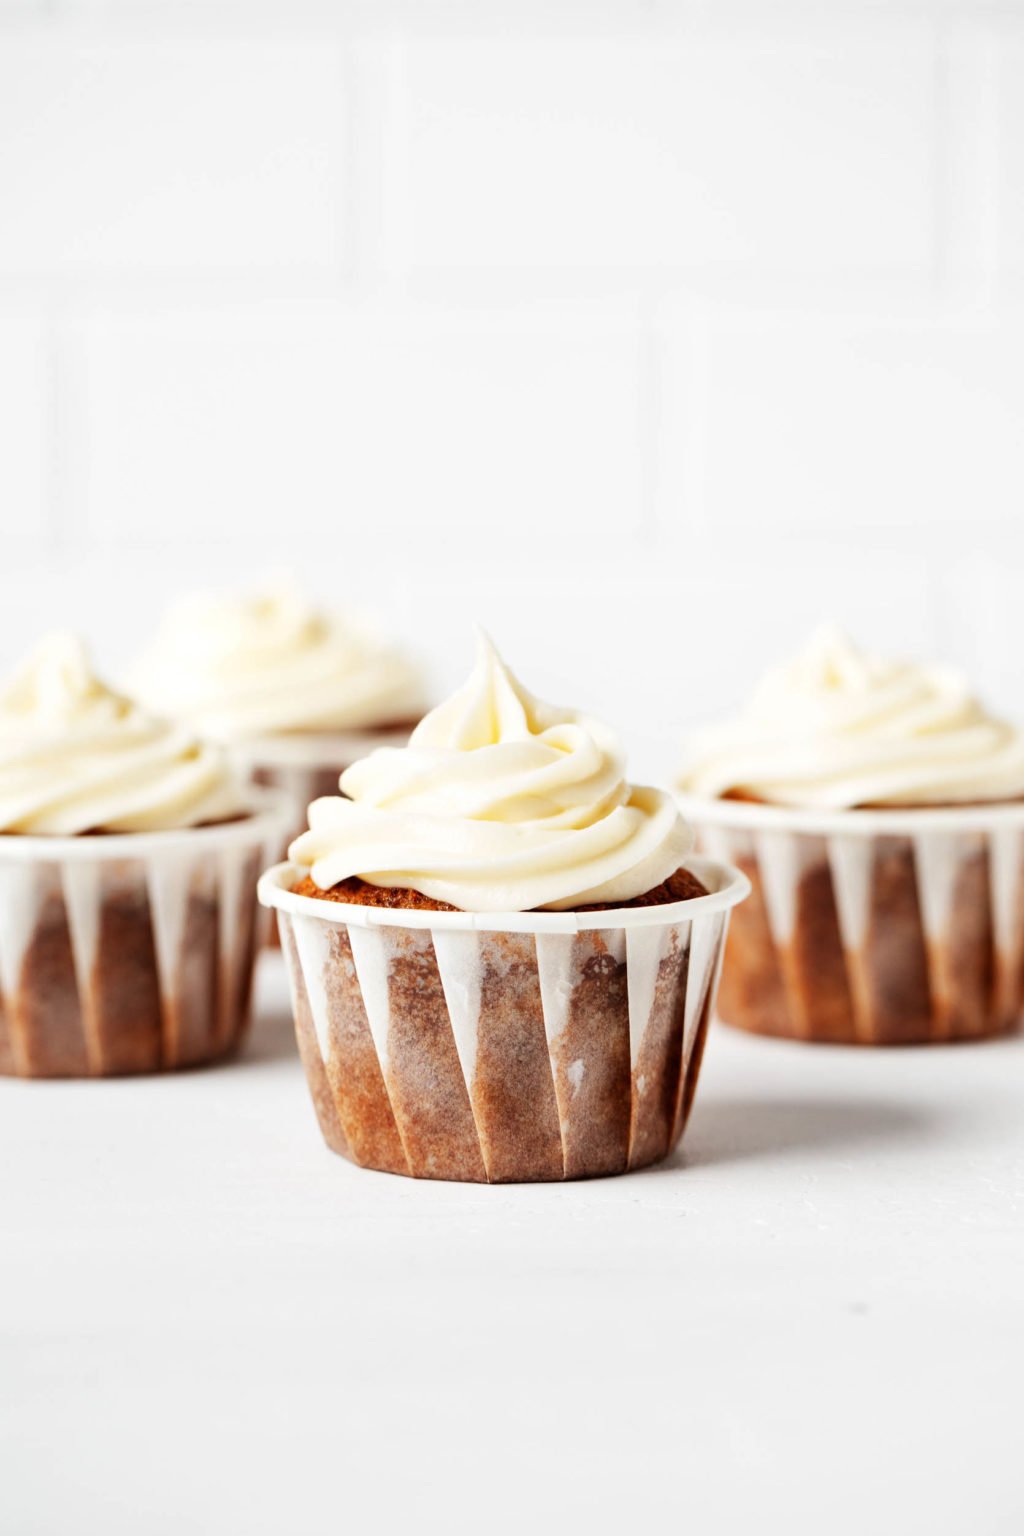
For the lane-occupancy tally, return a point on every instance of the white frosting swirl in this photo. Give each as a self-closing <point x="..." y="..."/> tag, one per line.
<point x="245" y="666"/>
<point x="839" y="728"/>
<point x="499" y="804"/>
<point x="76" y="757"/>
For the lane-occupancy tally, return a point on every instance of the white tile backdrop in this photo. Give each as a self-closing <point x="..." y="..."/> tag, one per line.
<point x="648" y="333"/>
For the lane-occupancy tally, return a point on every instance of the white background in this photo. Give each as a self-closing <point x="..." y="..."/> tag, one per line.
<point x="647" y="333"/>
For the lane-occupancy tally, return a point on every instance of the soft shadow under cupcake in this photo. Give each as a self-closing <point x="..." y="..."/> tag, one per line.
<point x="271" y="1039"/>
<point x="740" y="1127"/>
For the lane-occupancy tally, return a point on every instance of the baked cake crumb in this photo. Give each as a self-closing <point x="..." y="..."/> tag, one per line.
<point x="681" y="886"/>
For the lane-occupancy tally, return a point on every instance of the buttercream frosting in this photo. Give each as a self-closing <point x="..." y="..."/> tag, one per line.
<point x="839" y="727"/>
<point x="77" y="757"/>
<point x="499" y="803"/>
<point x="242" y="666"/>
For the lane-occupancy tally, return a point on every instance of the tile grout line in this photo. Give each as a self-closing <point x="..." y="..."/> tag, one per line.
<point x="348" y="233"/>
<point x="941" y="169"/>
<point x="650" y="362"/>
<point x="57" y="469"/>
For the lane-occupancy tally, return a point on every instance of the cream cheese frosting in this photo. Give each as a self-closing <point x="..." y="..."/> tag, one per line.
<point x="76" y="757"/>
<point x="499" y="803"/>
<point x="241" y="666"/>
<point x="839" y="728"/>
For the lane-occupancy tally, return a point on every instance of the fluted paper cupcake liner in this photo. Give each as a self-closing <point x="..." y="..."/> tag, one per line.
<point x="872" y="927"/>
<point x="530" y="1046"/>
<point x="129" y="952"/>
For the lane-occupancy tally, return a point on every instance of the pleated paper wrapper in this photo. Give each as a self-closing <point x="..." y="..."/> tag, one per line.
<point x="873" y="928"/>
<point x="131" y="952"/>
<point x="440" y="1046"/>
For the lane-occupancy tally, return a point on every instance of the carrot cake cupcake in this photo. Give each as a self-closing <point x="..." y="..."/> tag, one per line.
<point x="502" y="958"/>
<point x="129" y="853"/>
<point x="878" y="810"/>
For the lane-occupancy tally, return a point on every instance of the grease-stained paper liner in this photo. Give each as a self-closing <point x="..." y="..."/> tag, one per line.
<point x="524" y="1046"/>
<point x="129" y="952"/>
<point x="872" y="927"/>
<point x="302" y="767"/>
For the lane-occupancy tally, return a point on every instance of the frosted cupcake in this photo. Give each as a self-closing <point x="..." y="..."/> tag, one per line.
<point x="129" y="853"/>
<point x="502" y="959"/>
<point x="877" y="808"/>
<point x="295" y="694"/>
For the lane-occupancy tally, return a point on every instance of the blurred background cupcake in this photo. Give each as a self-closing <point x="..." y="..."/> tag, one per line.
<point x="129" y="853"/>
<point x="878" y="809"/>
<point x="294" y="692"/>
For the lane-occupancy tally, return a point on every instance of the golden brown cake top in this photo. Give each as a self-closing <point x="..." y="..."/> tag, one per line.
<point x="680" y="886"/>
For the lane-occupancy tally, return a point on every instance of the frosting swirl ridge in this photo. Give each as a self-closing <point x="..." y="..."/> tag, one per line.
<point x="242" y="666"/>
<point x="500" y="803"/>
<point x="76" y="757"/>
<point x="839" y="728"/>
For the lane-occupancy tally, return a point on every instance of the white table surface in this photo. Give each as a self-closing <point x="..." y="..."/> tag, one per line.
<point x="812" y="1320"/>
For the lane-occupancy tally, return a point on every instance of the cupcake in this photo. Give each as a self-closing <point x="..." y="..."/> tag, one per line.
<point x="878" y="810"/>
<point x="129" y="854"/>
<point x="296" y="695"/>
<point x="502" y="959"/>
